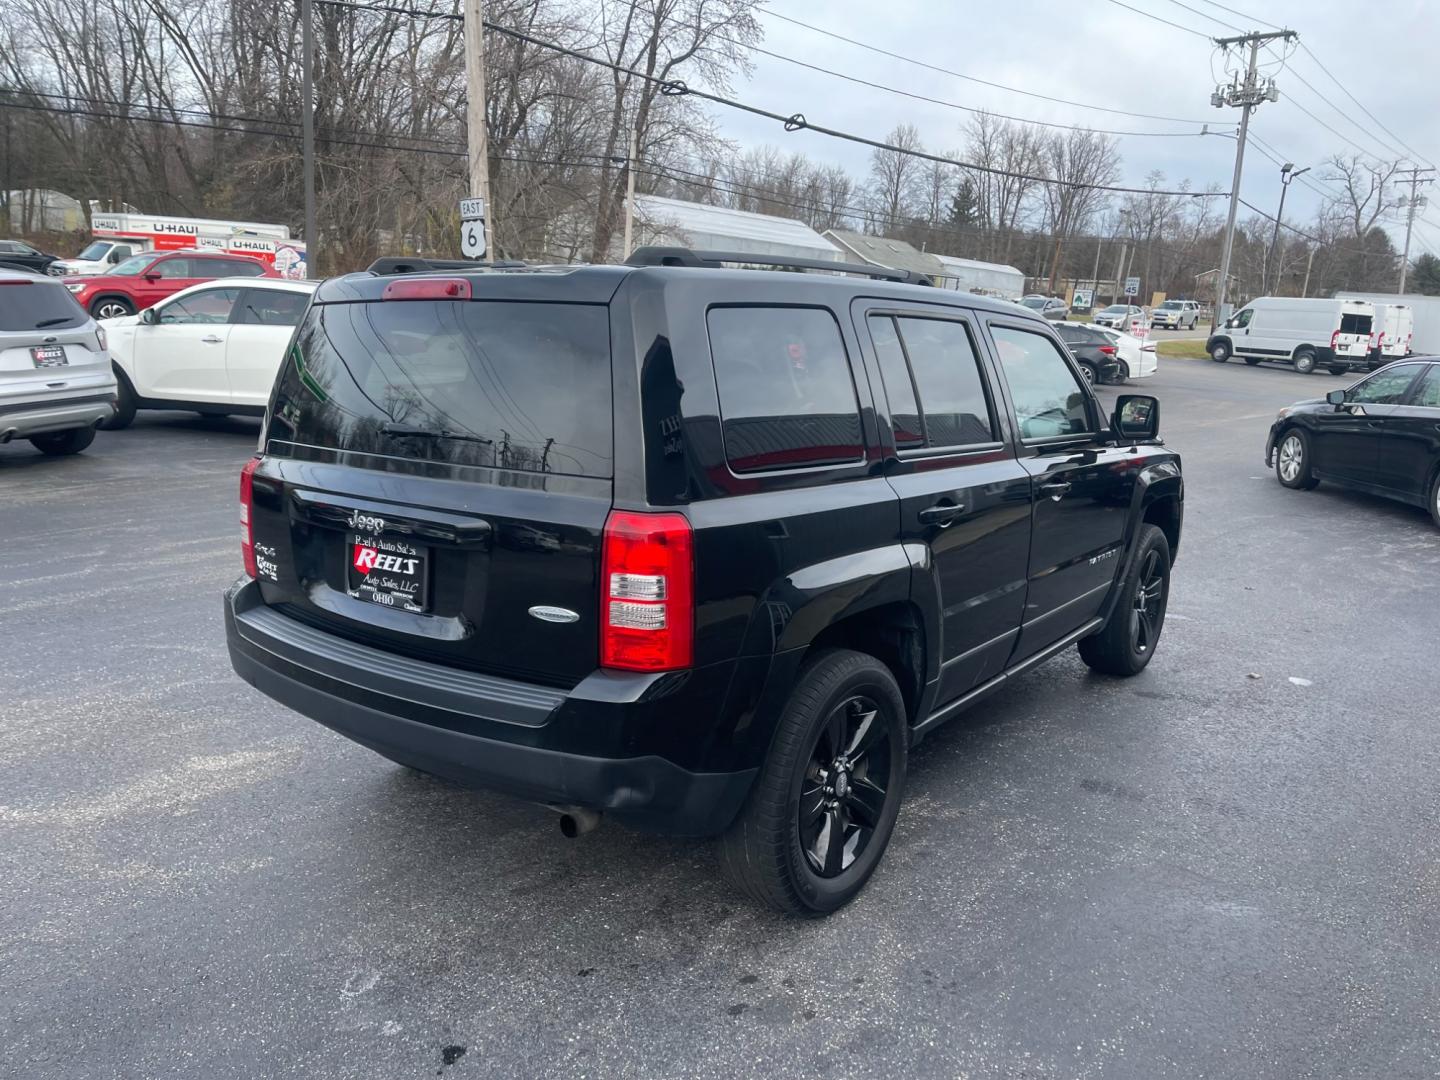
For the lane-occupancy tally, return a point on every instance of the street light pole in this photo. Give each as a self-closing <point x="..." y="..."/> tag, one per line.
<point x="1288" y="172"/>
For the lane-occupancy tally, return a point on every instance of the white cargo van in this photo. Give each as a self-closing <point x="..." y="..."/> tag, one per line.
<point x="1394" y="330"/>
<point x="1308" y="333"/>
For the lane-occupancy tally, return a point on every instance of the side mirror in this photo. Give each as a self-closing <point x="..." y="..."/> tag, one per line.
<point x="1336" y="397"/>
<point x="114" y="257"/>
<point x="148" y="317"/>
<point x="152" y="278"/>
<point x="1136" y="418"/>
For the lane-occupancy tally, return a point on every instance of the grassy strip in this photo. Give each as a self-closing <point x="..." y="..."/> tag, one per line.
<point x="1182" y="350"/>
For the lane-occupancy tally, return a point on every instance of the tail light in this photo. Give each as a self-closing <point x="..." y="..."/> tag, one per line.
<point x="427" y="288"/>
<point x="1335" y="341"/>
<point x="1149" y="346"/>
<point x="1108" y="350"/>
<point x="647" y="609"/>
<point x="247" y="508"/>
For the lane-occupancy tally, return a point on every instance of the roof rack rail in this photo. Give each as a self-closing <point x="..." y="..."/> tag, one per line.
<point x="680" y="256"/>
<point x="413" y="264"/>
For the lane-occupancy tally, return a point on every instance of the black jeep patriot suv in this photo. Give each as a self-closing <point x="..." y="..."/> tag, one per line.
<point x="704" y="549"/>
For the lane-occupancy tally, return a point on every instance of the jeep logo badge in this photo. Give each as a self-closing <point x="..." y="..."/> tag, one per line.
<point x="554" y="614"/>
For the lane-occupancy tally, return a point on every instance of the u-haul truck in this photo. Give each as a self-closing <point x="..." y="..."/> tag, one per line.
<point x="118" y="236"/>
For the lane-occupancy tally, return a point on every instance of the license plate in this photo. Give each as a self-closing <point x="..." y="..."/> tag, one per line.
<point x="391" y="573"/>
<point x="49" y="356"/>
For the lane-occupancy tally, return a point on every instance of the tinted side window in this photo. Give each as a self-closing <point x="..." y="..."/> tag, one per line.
<point x="1428" y="394"/>
<point x="1384" y="387"/>
<point x="787" y="399"/>
<point x="232" y="268"/>
<point x="206" y="306"/>
<point x="174" y="268"/>
<point x="272" y="307"/>
<point x="947" y="377"/>
<point x="1048" y="399"/>
<point x="899" y="385"/>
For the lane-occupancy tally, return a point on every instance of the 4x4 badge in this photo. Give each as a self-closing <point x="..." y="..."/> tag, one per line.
<point x="554" y="614"/>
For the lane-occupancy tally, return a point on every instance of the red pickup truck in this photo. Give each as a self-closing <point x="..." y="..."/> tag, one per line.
<point x="146" y="279"/>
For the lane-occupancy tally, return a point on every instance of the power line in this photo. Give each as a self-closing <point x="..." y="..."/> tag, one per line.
<point x="972" y="78"/>
<point x="1242" y="15"/>
<point x="1204" y="15"/>
<point x="1388" y="149"/>
<point x="1362" y="108"/>
<point x="1158" y="19"/>
<point x="951" y="104"/>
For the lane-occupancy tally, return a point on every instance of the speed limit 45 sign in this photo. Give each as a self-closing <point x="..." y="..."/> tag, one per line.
<point x="472" y="228"/>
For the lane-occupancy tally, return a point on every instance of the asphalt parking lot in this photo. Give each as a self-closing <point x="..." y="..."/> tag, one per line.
<point x="1226" y="867"/>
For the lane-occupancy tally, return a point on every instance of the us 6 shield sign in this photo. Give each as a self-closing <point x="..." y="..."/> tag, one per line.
<point x="472" y="228"/>
<point x="472" y="239"/>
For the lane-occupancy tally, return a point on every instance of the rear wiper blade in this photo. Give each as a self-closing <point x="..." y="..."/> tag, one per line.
<point x="405" y="430"/>
<point x="52" y="322"/>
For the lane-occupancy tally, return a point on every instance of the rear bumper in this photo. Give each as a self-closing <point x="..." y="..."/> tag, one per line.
<point x="425" y="715"/>
<point x="20" y="420"/>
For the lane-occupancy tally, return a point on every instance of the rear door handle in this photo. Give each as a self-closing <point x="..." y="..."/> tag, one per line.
<point x="942" y="514"/>
<point x="1056" y="489"/>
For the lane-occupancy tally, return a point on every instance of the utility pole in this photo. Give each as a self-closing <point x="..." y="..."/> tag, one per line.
<point x="1247" y="95"/>
<point x="630" y="192"/>
<point x="1309" y="262"/>
<point x="1288" y="172"/>
<point x="476" y="139"/>
<point x="307" y="130"/>
<point x="1416" y="201"/>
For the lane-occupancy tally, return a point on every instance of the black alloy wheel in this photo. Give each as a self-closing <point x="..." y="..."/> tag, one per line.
<point x="823" y="808"/>
<point x="1127" y="641"/>
<point x="1147" y="611"/>
<point x="842" y="798"/>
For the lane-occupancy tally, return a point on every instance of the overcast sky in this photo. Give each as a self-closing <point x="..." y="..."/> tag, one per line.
<point x="1098" y="53"/>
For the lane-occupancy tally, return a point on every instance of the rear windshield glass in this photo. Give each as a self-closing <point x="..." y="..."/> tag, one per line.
<point x="510" y="385"/>
<point x="38" y="305"/>
<point x="1355" y="324"/>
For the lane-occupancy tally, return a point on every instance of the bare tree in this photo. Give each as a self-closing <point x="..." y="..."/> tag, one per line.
<point x="896" y="177"/>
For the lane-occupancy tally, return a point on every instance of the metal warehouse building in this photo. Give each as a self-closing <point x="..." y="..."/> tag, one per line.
<point x="677" y="223"/>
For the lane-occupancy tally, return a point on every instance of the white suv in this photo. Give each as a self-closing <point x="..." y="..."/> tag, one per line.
<point x="1175" y="315"/>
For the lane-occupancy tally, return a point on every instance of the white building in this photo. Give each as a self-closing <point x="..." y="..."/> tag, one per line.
<point x="988" y="279"/>
<point x="677" y="223"/>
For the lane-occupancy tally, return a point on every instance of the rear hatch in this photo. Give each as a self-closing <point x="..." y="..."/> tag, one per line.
<point x="437" y="477"/>
<point x="50" y="349"/>
<point x="1356" y="325"/>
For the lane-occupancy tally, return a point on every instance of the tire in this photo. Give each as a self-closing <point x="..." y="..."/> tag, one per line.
<point x="1253" y="361"/>
<point x="1435" y="500"/>
<point x="1123" y="375"/>
<point x="1305" y="360"/>
<point x="1292" y="460"/>
<point x="1220" y="352"/>
<point x="1090" y="375"/>
<point x="1337" y="369"/>
<point x="60" y="443"/>
<point x="111" y="307"/>
<point x="125" y="404"/>
<point x="783" y="850"/>
<point x="1127" y="641"/>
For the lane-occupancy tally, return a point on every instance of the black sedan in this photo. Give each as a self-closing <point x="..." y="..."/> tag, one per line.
<point x="18" y="255"/>
<point x="1095" y="352"/>
<point x="1382" y="435"/>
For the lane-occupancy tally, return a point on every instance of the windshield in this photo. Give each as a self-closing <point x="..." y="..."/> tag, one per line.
<point x="134" y="265"/>
<point x="524" y="386"/>
<point x="1170" y="305"/>
<point x="38" y="305"/>
<point x="95" y="252"/>
<point x="1036" y="302"/>
<point x="1116" y="309"/>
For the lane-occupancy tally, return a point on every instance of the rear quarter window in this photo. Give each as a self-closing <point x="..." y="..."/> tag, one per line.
<point x="787" y="395"/>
